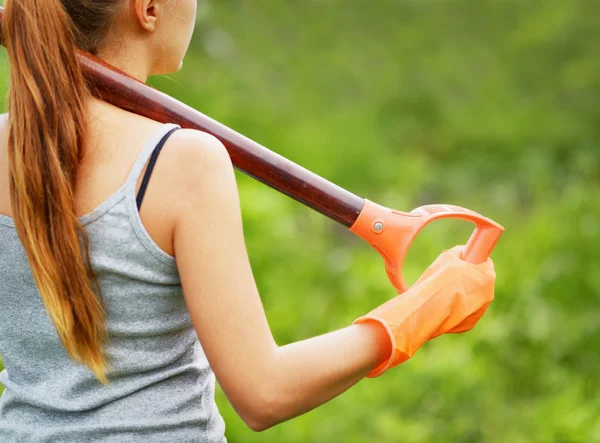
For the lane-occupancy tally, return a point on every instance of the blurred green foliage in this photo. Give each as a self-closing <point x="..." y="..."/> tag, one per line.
<point x="488" y="104"/>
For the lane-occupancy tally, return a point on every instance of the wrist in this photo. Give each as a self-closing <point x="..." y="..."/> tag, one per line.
<point x="380" y="342"/>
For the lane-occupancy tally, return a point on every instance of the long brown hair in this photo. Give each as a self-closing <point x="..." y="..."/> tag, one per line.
<point x="46" y="141"/>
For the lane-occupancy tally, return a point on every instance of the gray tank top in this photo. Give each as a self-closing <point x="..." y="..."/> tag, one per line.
<point x="161" y="385"/>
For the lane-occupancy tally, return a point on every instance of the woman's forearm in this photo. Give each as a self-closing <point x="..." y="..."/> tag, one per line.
<point x="311" y="372"/>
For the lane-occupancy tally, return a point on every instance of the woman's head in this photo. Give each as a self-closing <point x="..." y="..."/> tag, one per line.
<point x="47" y="131"/>
<point x="151" y="35"/>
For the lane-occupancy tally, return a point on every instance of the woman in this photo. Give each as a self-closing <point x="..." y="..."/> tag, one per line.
<point x="104" y="335"/>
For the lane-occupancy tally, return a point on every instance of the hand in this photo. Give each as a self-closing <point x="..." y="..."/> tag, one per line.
<point x="450" y="297"/>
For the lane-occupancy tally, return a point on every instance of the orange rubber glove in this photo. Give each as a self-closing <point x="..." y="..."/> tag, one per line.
<point x="450" y="297"/>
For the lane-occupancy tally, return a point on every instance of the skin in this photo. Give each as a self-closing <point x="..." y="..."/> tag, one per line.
<point x="202" y="227"/>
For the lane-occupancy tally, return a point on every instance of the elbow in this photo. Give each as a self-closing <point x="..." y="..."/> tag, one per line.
<point x="263" y="412"/>
<point x="258" y="425"/>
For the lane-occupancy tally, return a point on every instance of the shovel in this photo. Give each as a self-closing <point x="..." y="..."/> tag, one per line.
<point x="388" y="231"/>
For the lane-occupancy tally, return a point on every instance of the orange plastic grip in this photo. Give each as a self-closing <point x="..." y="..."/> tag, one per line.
<point x="391" y="233"/>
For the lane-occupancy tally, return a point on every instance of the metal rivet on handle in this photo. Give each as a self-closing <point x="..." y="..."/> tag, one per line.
<point x="378" y="226"/>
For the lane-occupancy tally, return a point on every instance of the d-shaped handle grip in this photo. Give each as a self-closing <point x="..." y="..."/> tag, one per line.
<point x="392" y="232"/>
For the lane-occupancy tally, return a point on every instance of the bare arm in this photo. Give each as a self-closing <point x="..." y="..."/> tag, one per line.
<point x="265" y="383"/>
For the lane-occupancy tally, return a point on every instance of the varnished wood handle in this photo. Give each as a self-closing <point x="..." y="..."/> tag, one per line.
<point x="123" y="91"/>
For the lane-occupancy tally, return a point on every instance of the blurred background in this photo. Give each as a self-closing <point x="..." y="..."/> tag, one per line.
<point x="488" y="104"/>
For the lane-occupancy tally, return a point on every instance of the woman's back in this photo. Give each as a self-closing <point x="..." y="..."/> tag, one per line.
<point x="116" y="138"/>
<point x="162" y="387"/>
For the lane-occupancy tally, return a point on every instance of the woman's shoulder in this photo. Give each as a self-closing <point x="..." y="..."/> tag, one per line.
<point x="200" y="160"/>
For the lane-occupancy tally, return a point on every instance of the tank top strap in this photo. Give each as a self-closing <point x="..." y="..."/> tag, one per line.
<point x="145" y="154"/>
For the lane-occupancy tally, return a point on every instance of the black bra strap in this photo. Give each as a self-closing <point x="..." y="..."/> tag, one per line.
<point x="151" y="164"/>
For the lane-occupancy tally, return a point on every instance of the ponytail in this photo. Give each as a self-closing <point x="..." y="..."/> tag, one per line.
<point x="46" y="133"/>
